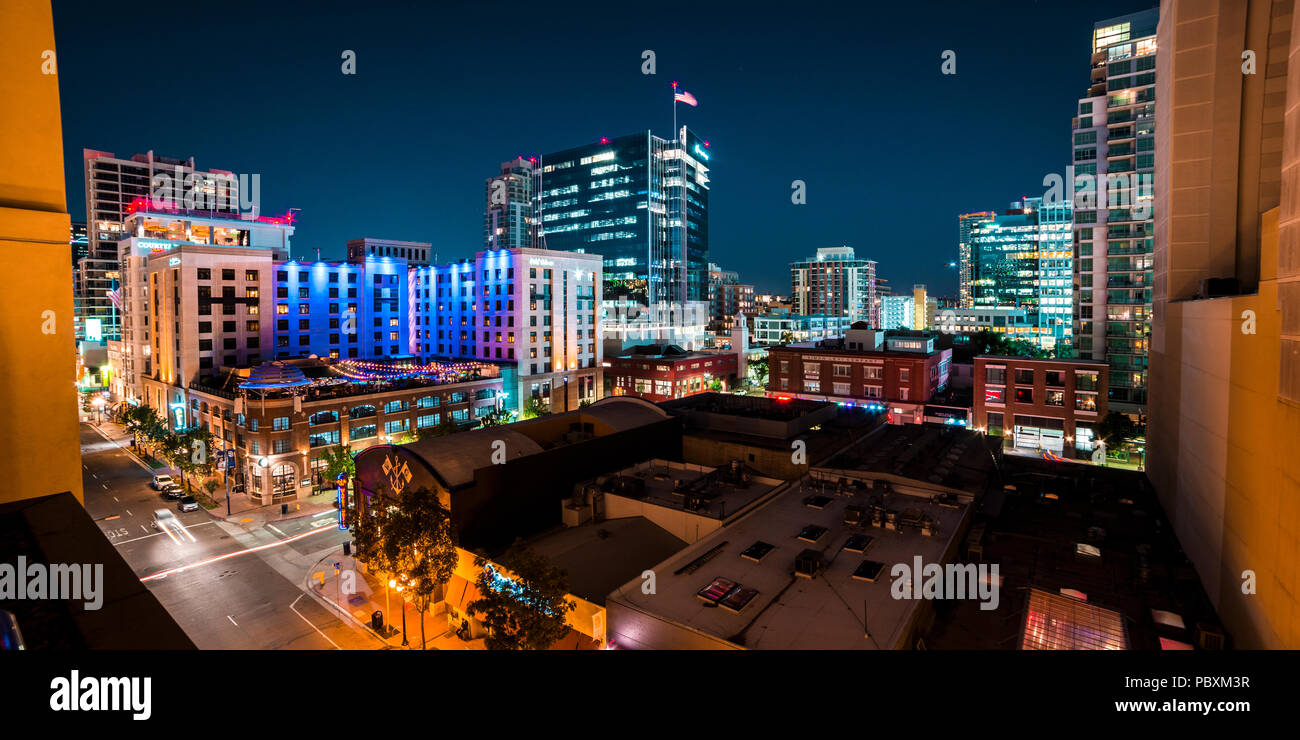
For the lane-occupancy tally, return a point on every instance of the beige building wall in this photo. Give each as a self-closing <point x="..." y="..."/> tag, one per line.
<point x="38" y="427"/>
<point x="1224" y="412"/>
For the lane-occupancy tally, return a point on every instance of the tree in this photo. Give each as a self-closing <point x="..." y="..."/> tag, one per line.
<point x="424" y="547"/>
<point x="787" y="337"/>
<point x="536" y="407"/>
<point x="1116" y="429"/>
<point x="339" y="463"/>
<point x="498" y="417"/>
<point x="210" y="487"/>
<point x="190" y="452"/>
<point x="758" y="370"/>
<point x="524" y="609"/>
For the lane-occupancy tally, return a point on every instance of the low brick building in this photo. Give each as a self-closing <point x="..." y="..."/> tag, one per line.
<point x="1041" y="405"/>
<point x="280" y="436"/>
<point x="657" y="372"/>
<point x="899" y="375"/>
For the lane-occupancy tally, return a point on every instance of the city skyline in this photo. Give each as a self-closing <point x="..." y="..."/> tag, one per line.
<point x="437" y="146"/>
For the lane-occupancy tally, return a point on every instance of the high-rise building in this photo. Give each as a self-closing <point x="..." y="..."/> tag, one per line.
<point x="508" y="221"/>
<point x="835" y="282"/>
<point x="196" y="295"/>
<point x="896" y="312"/>
<point x="966" y="223"/>
<point x="727" y="298"/>
<point x="1224" y="399"/>
<point x="639" y="201"/>
<point x="1112" y="176"/>
<point x="921" y="317"/>
<point x="112" y="186"/>
<point x="1022" y="259"/>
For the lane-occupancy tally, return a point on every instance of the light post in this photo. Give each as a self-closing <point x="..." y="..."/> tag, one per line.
<point x="387" y="607"/>
<point x="403" y="608"/>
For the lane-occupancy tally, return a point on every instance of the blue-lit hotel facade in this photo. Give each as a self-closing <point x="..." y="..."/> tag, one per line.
<point x="342" y="310"/>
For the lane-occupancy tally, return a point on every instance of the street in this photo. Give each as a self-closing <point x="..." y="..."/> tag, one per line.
<point x="228" y="585"/>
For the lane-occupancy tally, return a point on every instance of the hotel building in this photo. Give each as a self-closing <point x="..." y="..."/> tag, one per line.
<point x="112" y="185"/>
<point x="534" y="311"/>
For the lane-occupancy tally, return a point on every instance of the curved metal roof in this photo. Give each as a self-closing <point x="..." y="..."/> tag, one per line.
<point x="271" y="375"/>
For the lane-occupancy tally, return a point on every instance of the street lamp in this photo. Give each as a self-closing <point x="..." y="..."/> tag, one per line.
<point x="387" y="607"/>
<point x="403" y="608"/>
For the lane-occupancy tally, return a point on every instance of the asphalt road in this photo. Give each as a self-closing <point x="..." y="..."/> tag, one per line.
<point x="246" y="600"/>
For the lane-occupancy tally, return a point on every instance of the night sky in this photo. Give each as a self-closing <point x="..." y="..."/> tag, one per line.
<point x="849" y="99"/>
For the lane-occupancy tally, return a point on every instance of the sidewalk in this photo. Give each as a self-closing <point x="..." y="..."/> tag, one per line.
<point x="242" y="511"/>
<point x="370" y="596"/>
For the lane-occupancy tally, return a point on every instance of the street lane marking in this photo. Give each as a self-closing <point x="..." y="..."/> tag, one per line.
<point x="218" y="558"/>
<point x="128" y="513"/>
<point x="155" y="534"/>
<point x="232" y="620"/>
<point x="273" y="528"/>
<point x="308" y="621"/>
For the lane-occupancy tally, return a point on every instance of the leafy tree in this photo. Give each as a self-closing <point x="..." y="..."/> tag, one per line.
<point x="338" y="463"/>
<point x="498" y="417"/>
<point x="716" y="385"/>
<point x="210" y="487"/>
<point x="787" y="337"/>
<point x="536" y="407"/>
<point x="1116" y="429"/>
<point x="758" y="370"/>
<point x="190" y="452"/>
<point x="526" y="610"/>
<point x="424" y="546"/>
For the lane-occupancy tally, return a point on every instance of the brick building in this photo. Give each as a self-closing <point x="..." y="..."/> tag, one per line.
<point x="658" y="372"/>
<point x="900" y="375"/>
<point x="1051" y="405"/>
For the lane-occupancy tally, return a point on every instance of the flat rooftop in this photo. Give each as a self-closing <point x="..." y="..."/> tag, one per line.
<point x="831" y="611"/>
<point x="717" y="493"/>
<point x="600" y="557"/>
<point x="946" y="458"/>
<point x="1130" y="563"/>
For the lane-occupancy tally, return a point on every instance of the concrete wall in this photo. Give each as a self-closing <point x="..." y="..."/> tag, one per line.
<point x="38" y="426"/>
<point x="1224" y="412"/>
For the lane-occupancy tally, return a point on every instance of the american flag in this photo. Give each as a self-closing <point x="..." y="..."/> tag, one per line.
<point x="115" y="296"/>
<point x="685" y="97"/>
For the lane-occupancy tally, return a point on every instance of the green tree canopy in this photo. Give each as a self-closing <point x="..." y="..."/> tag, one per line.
<point x="525" y="609"/>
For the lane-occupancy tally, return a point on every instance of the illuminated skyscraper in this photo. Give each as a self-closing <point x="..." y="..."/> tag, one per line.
<point x="835" y="282"/>
<point x="639" y="201"/>
<point x="965" y="223"/>
<point x="1022" y="259"/>
<point x="508" y="219"/>
<point x="1114" y="164"/>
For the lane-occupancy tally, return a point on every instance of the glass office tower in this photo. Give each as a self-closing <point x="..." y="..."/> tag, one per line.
<point x="1023" y="259"/>
<point x="642" y="203"/>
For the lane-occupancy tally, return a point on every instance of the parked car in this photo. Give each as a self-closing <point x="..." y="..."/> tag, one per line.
<point x="188" y="503"/>
<point x="160" y="481"/>
<point x="172" y="491"/>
